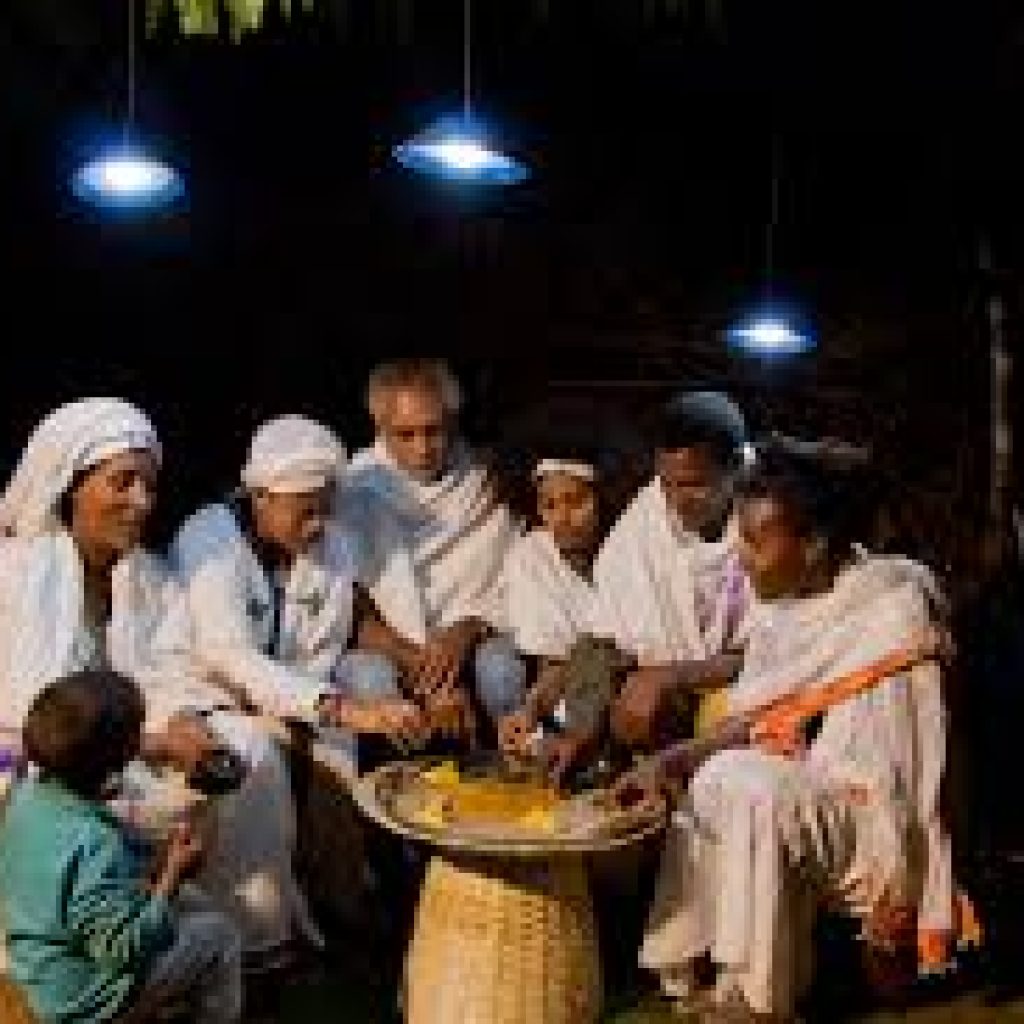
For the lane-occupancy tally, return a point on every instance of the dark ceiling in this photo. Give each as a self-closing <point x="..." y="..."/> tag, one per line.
<point x="304" y="254"/>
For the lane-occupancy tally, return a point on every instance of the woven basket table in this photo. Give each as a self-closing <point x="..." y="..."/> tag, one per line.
<point x="505" y="930"/>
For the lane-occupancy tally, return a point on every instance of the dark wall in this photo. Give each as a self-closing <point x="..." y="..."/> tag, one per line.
<point x="304" y="255"/>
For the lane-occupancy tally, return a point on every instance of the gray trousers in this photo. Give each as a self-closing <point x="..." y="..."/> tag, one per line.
<point x="499" y="676"/>
<point x="200" y="977"/>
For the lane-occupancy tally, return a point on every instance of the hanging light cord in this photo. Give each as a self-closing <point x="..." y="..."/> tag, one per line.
<point x="773" y="216"/>
<point x="129" y="123"/>
<point x="467" y="57"/>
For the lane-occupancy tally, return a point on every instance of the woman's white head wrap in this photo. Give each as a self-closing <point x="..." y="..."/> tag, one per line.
<point x="570" y="467"/>
<point x="71" y="440"/>
<point x="293" y="455"/>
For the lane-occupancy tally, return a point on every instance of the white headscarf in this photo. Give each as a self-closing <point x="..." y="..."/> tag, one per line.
<point x="292" y="455"/>
<point x="570" y="467"/>
<point x="72" y="439"/>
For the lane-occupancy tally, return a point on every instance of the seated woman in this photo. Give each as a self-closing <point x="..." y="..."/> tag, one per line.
<point x="839" y="807"/>
<point x="99" y="926"/>
<point x="271" y="576"/>
<point x="77" y="591"/>
<point x="549" y="592"/>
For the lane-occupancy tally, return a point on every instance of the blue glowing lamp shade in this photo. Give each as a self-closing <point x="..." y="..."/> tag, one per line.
<point x="460" y="151"/>
<point x="771" y="334"/>
<point x="127" y="180"/>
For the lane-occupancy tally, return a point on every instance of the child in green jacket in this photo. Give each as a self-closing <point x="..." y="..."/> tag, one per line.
<point x="95" y="929"/>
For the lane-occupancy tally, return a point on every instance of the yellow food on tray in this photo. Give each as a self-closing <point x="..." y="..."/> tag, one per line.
<point x="453" y="800"/>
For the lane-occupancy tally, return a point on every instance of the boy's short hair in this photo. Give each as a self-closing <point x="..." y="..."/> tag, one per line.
<point x="84" y="728"/>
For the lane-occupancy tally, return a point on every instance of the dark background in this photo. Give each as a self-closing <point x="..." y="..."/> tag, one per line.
<point x="304" y="255"/>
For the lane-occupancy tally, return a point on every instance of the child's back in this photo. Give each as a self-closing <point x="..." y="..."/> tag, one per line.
<point x="81" y="928"/>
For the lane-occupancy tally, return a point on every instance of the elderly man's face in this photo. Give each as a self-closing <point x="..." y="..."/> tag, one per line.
<point x="416" y="431"/>
<point x="694" y="487"/>
<point x="291" y="523"/>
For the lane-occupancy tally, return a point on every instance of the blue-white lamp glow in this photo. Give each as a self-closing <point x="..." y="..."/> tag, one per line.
<point x="771" y="334"/>
<point x="459" y="150"/>
<point x="127" y="180"/>
<point x="773" y="329"/>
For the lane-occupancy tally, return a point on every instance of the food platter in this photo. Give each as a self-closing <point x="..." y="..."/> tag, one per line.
<point x="487" y="810"/>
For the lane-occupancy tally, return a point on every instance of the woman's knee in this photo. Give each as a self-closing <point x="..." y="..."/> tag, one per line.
<point x="500" y="676"/>
<point x="368" y="675"/>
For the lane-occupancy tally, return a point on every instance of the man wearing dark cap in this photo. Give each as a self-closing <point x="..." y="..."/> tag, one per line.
<point x="672" y="594"/>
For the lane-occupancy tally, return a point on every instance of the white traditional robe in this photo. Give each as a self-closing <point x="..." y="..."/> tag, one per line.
<point x="549" y="604"/>
<point x="44" y="635"/>
<point x="437" y="549"/>
<point x="665" y="595"/>
<point x="231" y="602"/>
<point x="762" y="840"/>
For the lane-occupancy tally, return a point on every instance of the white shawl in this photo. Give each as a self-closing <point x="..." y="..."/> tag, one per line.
<point x="230" y="601"/>
<point x="43" y="631"/>
<point x="891" y="739"/>
<point x="549" y="605"/>
<point x="666" y="595"/>
<point x="445" y="562"/>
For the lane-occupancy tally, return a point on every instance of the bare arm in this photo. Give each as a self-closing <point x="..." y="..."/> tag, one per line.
<point x="709" y="674"/>
<point x="372" y="633"/>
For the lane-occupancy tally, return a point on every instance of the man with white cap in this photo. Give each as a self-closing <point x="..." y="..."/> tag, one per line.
<point x="271" y="582"/>
<point x="424" y="503"/>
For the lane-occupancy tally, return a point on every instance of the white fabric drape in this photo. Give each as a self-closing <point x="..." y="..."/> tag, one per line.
<point x="665" y="595"/>
<point x="549" y="605"/>
<point x="69" y="441"/>
<point x="760" y="836"/>
<point x="439" y="548"/>
<point x="231" y="603"/>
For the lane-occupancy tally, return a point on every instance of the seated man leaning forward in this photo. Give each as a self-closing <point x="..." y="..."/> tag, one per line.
<point x="438" y="537"/>
<point x="829" y="795"/>
<point x="672" y="593"/>
<point x="271" y="583"/>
